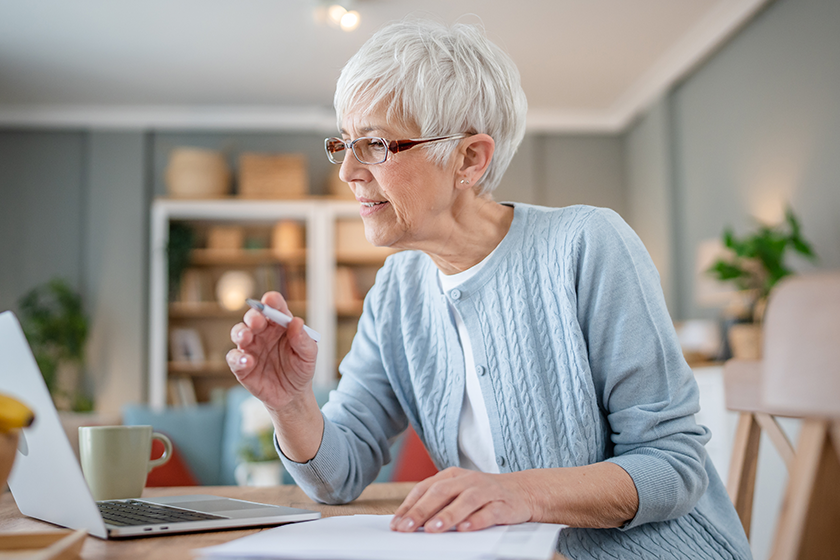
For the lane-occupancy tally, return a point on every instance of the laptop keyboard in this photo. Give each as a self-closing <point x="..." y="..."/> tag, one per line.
<point x="133" y="512"/>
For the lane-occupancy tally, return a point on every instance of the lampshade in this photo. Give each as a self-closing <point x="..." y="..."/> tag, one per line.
<point x="233" y="288"/>
<point x="709" y="291"/>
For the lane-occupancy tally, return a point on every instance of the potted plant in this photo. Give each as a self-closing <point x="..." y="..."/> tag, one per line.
<point x="755" y="263"/>
<point x="56" y="327"/>
<point x="178" y="249"/>
<point x="259" y="463"/>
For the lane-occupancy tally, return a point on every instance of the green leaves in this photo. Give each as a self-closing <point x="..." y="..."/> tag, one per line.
<point x="181" y="240"/>
<point x="757" y="260"/>
<point x="55" y="326"/>
<point x="259" y="448"/>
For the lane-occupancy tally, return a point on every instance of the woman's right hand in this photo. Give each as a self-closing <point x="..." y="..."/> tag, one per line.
<point x="276" y="364"/>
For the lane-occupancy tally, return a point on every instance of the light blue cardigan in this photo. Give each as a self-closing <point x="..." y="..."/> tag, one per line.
<point x="578" y="363"/>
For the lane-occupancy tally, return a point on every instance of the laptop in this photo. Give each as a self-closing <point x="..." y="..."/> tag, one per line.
<point x="47" y="481"/>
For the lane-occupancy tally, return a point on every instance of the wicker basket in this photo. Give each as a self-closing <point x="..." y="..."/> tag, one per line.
<point x="197" y="173"/>
<point x="264" y="176"/>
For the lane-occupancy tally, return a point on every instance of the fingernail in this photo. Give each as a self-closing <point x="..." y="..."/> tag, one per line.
<point x="406" y="525"/>
<point x="465" y="526"/>
<point x="395" y="521"/>
<point x="437" y="525"/>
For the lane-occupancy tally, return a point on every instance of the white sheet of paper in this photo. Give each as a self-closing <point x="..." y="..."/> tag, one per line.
<point x="368" y="537"/>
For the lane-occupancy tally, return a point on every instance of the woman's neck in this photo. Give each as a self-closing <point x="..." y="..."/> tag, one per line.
<point x="477" y="224"/>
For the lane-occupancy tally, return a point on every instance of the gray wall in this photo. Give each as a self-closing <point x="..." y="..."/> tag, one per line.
<point x="41" y="210"/>
<point x="116" y="273"/>
<point x="756" y="127"/>
<point x="75" y="205"/>
<point x="648" y="174"/>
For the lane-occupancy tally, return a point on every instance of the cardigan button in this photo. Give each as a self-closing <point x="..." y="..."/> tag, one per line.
<point x="481" y="370"/>
<point x="455" y="294"/>
<point x="500" y="460"/>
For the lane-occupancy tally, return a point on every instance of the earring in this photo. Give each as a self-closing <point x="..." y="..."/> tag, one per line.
<point x="464" y="182"/>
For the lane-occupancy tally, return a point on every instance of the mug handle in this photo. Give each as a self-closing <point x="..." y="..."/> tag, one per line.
<point x="167" y="451"/>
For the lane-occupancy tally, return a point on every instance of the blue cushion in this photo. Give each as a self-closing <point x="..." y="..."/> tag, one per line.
<point x="195" y="430"/>
<point x="232" y="438"/>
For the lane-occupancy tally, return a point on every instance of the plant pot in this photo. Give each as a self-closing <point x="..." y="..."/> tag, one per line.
<point x="745" y="340"/>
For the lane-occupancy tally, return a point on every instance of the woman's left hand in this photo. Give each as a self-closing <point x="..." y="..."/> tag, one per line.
<point x="463" y="499"/>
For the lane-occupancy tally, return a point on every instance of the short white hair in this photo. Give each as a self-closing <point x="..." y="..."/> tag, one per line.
<point x="445" y="80"/>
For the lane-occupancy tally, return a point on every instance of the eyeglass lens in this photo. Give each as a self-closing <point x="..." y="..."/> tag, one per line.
<point x="367" y="150"/>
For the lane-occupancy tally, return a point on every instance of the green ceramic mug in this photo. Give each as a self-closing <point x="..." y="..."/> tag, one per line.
<point x="116" y="459"/>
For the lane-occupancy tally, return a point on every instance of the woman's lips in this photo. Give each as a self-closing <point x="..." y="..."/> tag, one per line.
<point x="369" y="207"/>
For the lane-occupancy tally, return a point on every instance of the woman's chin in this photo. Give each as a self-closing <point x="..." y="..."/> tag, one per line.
<point x="381" y="241"/>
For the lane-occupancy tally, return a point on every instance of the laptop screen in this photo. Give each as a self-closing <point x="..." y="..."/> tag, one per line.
<point x="46" y="481"/>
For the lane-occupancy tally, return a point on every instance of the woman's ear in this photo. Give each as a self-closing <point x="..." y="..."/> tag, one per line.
<point x="477" y="152"/>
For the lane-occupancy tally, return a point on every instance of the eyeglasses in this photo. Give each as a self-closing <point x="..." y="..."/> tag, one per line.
<point x="372" y="150"/>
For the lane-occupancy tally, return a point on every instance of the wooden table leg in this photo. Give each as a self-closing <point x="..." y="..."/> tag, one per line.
<point x="810" y="517"/>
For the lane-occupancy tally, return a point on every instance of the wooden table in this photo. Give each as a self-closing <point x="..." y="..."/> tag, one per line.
<point x="376" y="499"/>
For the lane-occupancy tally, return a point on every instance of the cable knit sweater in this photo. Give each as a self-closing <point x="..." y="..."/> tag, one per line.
<point x="578" y="363"/>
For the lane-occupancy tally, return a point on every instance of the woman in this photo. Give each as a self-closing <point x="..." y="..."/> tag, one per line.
<point x="530" y="348"/>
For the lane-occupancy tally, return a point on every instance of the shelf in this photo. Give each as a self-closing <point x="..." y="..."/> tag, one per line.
<point x="247" y="257"/>
<point x="333" y="237"/>
<point x="212" y="310"/>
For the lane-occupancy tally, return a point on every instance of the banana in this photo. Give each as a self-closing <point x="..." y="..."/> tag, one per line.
<point x="14" y="414"/>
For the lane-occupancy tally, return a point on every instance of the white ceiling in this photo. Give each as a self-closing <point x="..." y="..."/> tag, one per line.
<point x="586" y="64"/>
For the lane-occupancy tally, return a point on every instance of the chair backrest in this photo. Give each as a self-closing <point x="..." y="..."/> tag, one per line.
<point x="802" y="378"/>
<point x="802" y="346"/>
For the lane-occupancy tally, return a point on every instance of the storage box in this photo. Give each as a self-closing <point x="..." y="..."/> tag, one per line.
<point x="267" y="176"/>
<point x="287" y="239"/>
<point x="226" y="238"/>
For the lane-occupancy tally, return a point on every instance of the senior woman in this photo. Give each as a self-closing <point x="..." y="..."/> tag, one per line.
<point x="530" y="348"/>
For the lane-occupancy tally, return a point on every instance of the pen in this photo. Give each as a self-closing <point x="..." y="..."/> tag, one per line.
<point x="280" y="318"/>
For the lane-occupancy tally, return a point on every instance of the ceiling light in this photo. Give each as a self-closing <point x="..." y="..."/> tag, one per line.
<point x="334" y="14"/>
<point x="350" y="20"/>
<point x="337" y="14"/>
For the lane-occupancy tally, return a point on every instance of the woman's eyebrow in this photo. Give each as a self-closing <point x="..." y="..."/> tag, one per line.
<point x="364" y="130"/>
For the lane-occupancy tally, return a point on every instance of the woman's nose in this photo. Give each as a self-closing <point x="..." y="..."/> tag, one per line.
<point x="353" y="171"/>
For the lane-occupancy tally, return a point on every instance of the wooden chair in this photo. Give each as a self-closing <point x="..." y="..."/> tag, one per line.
<point x="742" y="386"/>
<point x="802" y="378"/>
<point x="799" y="376"/>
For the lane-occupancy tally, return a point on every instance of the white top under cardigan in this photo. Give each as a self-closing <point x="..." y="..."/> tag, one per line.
<point x="475" y="440"/>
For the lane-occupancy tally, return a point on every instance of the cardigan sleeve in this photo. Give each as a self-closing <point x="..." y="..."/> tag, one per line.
<point x="646" y="389"/>
<point x="361" y="420"/>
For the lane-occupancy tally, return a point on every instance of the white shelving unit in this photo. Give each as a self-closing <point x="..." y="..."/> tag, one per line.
<point x="319" y="217"/>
